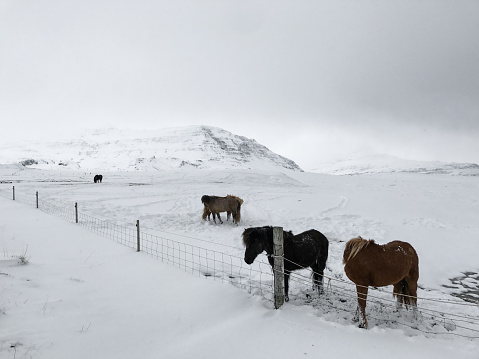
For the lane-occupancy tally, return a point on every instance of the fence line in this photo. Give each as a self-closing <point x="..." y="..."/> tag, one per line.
<point x="256" y="279"/>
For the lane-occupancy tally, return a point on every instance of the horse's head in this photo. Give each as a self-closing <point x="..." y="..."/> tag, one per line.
<point x="255" y="241"/>
<point x="353" y="246"/>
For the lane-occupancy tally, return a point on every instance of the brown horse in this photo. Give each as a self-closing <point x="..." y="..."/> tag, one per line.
<point x="229" y="204"/>
<point x="371" y="264"/>
<point x="207" y="212"/>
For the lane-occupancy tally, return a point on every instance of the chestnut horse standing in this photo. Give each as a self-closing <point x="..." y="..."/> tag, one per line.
<point x="371" y="264"/>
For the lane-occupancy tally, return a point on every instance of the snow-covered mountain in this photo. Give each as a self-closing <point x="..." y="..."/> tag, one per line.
<point x="180" y="147"/>
<point x="389" y="164"/>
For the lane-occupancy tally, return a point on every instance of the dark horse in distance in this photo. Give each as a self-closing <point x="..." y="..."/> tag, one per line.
<point x="307" y="249"/>
<point x="370" y="264"/>
<point x="98" y="178"/>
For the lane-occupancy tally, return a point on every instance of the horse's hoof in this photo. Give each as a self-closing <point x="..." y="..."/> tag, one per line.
<point x="363" y="326"/>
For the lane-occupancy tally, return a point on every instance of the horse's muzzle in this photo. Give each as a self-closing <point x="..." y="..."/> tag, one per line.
<point x="248" y="260"/>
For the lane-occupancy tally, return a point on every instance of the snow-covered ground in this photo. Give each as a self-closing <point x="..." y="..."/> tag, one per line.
<point x="83" y="295"/>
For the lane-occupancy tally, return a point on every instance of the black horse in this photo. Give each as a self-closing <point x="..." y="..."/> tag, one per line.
<point x="307" y="249"/>
<point x="97" y="178"/>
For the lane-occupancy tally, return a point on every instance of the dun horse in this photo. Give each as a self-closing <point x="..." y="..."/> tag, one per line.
<point x="229" y="204"/>
<point x="207" y="212"/>
<point x="371" y="264"/>
<point x="307" y="249"/>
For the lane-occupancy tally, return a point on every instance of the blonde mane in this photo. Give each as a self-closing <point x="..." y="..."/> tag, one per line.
<point x="236" y="197"/>
<point x="353" y="247"/>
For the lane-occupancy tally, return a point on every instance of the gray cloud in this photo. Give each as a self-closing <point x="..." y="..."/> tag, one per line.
<point x="358" y="71"/>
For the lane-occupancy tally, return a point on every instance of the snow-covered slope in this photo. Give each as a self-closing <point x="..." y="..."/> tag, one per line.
<point x="390" y="164"/>
<point x="181" y="147"/>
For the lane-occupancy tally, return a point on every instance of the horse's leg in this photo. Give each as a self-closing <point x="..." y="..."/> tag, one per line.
<point x="319" y="281"/>
<point x="413" y="293"/>
<point x="318" y="278"/>
<point x="228" y="214"/>
<point x="362" y="296"/>
<point x="214" y="217"/>
<point x="410" y="290"/>
<point x="218" y="214"/>
<point x="356" y="315"/>
<point x="398" y="291"/>
<point x="286" y="286"/>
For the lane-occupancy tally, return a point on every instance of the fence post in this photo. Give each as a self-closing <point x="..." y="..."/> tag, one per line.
<point x="138" y="235"/>
<point x="37" y="199"/>
<point x="278" y="270"/>
<point x="14" y="193"/>
<point x="76" y="212"/>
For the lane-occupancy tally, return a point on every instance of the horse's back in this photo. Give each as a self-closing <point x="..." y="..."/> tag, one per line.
<point x="381" y="265"/>
<point x="312" y="236"/>
<point x="411" y="257"/>
<point x="306" y="248"/>
<point x="402" y="246"/>
<point x="221" y="204"/>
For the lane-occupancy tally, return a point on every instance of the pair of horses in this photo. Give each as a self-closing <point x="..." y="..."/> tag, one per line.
<point x="366" y="263"/>
<point x="229" y="204"/>
<point x="98" y="178"/>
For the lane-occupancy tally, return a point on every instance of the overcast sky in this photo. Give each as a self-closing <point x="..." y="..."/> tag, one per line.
<point x="311" y="80"/>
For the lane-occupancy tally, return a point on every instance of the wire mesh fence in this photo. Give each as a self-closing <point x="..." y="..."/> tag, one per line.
<point x="205" y="262"/>
<point x="256" y="279"/>
<point x="120" y="234"/>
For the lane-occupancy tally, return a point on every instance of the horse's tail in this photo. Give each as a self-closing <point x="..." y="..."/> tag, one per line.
<point x="235" y="197"/>
<point x="322" y="248"/>
<point x="237" y="216"/>
<point x="205" y="213"/>
<point x="404" y="294"/>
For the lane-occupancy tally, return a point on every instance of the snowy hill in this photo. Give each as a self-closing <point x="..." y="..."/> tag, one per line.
<point x="389" y="164"/>
<point x="181" y="147"/>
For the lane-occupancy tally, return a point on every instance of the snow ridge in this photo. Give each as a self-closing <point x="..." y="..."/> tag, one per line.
<point x="380" y="163"/>
<point x="201" y="147"/>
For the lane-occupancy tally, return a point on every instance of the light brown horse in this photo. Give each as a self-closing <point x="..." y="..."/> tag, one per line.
<point x="207" y="212"/>
<point x="229" y="204"/>
<point x="371" y="264"/>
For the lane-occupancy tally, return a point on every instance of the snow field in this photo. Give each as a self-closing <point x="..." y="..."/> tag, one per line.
<point x="425" y="210"/>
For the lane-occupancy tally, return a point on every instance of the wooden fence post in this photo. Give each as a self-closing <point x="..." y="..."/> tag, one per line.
<point x="76" y="212"/>
<point x="14" y="193"/>
<point x="138" y="235"/>
<point x="37" y="199"/>
<point x="278" y="270"/>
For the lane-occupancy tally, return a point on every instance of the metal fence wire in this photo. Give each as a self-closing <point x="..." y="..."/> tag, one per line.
<point x="256" y="279"/>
